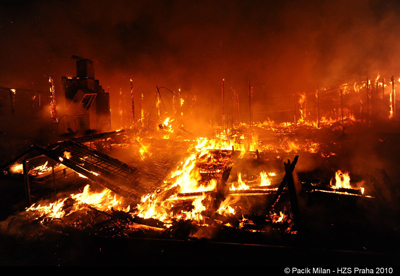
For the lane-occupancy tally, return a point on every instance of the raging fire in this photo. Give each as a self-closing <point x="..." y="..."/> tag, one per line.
<point x="102" y="201"/>
<point x="197" y="183"/>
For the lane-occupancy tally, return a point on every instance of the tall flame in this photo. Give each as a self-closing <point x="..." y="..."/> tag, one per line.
<point x="342" y="180"/>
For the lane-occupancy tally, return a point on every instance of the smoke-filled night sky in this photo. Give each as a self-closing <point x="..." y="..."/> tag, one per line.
<point x="280" y="46"/>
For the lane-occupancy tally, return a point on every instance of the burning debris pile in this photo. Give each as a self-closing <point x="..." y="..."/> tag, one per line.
<point x="225" y="182"/>
<point x="202" y="190"/>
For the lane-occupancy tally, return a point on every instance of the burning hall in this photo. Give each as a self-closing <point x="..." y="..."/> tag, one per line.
<point x="203" y="133"/>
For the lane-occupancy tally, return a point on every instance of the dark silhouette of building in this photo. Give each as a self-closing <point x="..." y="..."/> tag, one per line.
<point x="87" y="104"/>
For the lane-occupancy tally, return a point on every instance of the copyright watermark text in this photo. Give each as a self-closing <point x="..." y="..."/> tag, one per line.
<point x="339" y="270"/>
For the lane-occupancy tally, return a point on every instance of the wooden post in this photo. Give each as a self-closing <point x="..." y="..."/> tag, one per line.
<point x="158" y="102"/>
<point x="392" y="99"/>
<point x="212" y="114"/>
<point x="132" y="102"/>
<point x="124" y="109"/>
<point x="318" y="122"/>
<point x="383" y="96"/>
<point x="180" y="110"/>
<point x="141" y="108"/>
<point x="289" y="181"/>
<point x="12" y="100"/>
<point x="394" y="102"/>
<point x="54" y="179"/>
<point x="294" y="110"/>
<point x="250" y="106"/>
<point x="238" y="107"/>
<point x="368" y="101"/>
<point x="223" y="103"/>
<point x="120" y="112"/>
<point x="52" y="101"/>
<point x="26" y="182"/>
<point x="232" y="107"/>
<point x="341" y="104"/>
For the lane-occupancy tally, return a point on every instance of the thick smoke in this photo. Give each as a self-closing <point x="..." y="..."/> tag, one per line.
<point x="282" y="47"/>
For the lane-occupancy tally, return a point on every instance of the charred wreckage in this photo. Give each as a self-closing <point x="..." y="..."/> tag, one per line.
<point x="244" y="193"/>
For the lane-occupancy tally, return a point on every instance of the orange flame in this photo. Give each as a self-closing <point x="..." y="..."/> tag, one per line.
<point x="102" y="201"/>
<point x="342" y="180"/>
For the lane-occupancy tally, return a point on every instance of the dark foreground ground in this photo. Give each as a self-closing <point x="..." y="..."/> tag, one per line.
<point x="82" y="250"/>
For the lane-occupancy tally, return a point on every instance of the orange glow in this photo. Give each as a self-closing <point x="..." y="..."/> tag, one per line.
<point x="67" y="154"/>
<point x="225" y="209"/>
<point x="278" y="218"/>
<point x="102" y="201"/>
<point x="17" y="168"/>
<point x="240" y="184"/>
<point x="342" y="180"/>
<point x="264" y="179"/>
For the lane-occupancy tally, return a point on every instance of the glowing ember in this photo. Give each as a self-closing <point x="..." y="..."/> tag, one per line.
<point x="17" y="168"/>
<point x="41" y="169"/>
<point x="278" y="218"/>
<point x="67" y="155"/>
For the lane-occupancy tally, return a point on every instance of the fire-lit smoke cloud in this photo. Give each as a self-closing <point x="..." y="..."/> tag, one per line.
<point x="281" y="46"/>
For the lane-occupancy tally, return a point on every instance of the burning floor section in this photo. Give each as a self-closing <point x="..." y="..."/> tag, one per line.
<point x="243" y="187"/>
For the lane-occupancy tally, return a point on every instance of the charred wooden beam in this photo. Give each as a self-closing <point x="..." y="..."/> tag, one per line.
<point x="218" y="196"/>
<point x="289" y="182"/>
<point x="26" y="181"/>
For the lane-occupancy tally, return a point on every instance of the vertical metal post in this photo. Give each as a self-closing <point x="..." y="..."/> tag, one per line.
<point x="26" y="182"/>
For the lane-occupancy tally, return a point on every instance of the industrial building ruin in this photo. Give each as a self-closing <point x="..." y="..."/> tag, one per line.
<point x="87" y="104"/>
